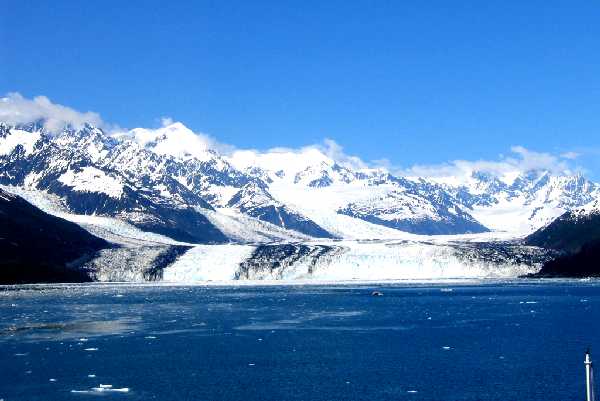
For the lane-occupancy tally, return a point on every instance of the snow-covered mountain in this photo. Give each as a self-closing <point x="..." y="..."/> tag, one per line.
<point x="571" y="231"/>
<point x="525" y="202"/>
<point x="172" y="182"/>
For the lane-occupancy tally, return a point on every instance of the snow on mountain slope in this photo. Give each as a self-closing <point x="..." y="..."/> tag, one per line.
<point x="110" y="228"/>
<point x="26" y="140"/>
<point x="162" y="179"/>
<point x="591" y="208"/>
<point x="254" y="200"/>
<point x="91" y="179"/>
<point x="316" y="185"/>
<point x="79" y="166"/>
<point x="321" y="205"/>
<point x="245" y="229"/>
<point x="528" y="202"/>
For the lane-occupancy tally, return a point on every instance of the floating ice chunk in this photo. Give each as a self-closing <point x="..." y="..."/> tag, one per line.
<point x="52" y="380"/>
<point x="102" y="388"/>
<point x="531" y="302"/>
<point x="251" y="364"/>
<point x="412" y="391"/>
<point x="91" y="349"/>
<point x="446" y="348"/>
<point x="150" y="337"/>
<point x="91" y="376"/>
<point x="83" y="339"/>
<point x="22" y="354"/>
<point x="446" y="289"/>
<point x="110" y="388"/>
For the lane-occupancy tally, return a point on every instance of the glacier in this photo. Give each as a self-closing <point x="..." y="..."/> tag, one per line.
<point x="356" y="261"/>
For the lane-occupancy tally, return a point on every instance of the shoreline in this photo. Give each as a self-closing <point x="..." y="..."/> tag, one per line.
<point x="313" y="283"/>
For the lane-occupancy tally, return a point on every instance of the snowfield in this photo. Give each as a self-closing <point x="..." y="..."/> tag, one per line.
<point x="90" y="179"/>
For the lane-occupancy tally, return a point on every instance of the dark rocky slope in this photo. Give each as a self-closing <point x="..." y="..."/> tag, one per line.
<point x="568" y="233"/>
<point x="584" y="263"/>
<point x="37" y="247"/>
<point x="576" y="235"/>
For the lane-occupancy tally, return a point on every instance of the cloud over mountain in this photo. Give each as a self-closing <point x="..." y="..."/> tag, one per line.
<point x="16" y="109"/>
<point x="507" y="167"/>
<point x="176" y="137"/>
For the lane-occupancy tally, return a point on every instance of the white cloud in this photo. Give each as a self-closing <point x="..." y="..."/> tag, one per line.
<point x="15" y="109"/>
<point x="336" y="152"/>
<point x="166" y="121"/>
<point x="295" y="160"/>
<point x="570" y="155"/>
<point x="505" y="167"/>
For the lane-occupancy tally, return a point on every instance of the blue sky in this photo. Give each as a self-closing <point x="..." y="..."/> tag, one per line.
<point x="409" y="81"/>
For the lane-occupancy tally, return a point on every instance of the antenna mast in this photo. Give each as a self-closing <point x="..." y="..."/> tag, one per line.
<point x="589" y="377"/>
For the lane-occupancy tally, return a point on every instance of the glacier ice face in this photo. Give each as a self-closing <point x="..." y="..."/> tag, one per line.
<point x="208" y="263"/>
<point x="357" y="260"/>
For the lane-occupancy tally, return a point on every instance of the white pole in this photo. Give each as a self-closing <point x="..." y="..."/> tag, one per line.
<point x="589" y="379"/>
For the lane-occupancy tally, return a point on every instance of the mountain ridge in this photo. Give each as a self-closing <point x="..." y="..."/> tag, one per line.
<point x="165" y="186"/>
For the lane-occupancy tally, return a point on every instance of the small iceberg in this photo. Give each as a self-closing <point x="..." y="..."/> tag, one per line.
<point x="102" y="388"/>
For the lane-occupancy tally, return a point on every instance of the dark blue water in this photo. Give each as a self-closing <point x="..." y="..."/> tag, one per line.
<point x="513" y="341"/>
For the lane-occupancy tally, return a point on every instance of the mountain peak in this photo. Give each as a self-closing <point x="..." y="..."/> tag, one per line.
<point x="174" y="139"/>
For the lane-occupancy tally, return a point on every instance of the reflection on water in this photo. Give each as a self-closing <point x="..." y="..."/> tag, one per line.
<point x="60" y="331"/>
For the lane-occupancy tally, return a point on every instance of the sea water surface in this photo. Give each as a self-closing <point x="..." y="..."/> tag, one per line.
<point x="519" y="340"/>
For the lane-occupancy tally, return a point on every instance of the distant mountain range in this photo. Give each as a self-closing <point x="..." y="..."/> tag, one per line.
<point x="163" y="181"/>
